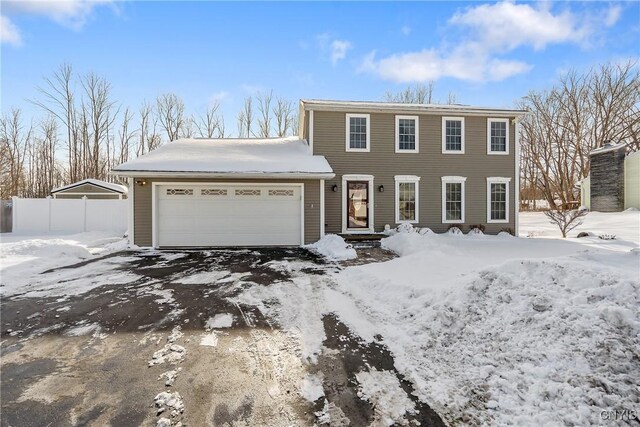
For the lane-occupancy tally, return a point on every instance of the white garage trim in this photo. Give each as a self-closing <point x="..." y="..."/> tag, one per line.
<point x="155" y="193"/>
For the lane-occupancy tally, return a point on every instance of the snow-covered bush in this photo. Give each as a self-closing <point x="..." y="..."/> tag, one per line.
<point x="425" y="231"/>
<point x="454" y="230"/>
<point x="405" y="227"/>
<point x="334" y="248"/>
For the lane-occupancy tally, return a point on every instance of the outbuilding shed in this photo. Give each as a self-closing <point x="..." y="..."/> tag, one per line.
<point x="91" y="189"/>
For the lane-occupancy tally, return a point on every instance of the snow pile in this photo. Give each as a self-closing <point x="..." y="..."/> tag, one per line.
<point x="334" y="248"/>
<point x="171" y="352"/>
<point x="311" y="387"/>
<point x="169" y="376"/>
<point x="24" y="257"/>
<point x="390" y="402"/>
<point x="219" y="321"/>
<point x="169" y="401"/>
<point x="504" y="331"/>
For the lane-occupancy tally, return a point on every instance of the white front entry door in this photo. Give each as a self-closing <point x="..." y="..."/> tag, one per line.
<point x="228" y="215"/>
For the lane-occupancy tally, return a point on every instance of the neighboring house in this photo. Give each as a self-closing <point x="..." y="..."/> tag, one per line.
<point x="91" y="189"/>
<point x="613" y="183"/>
<point x="355" y="168"/>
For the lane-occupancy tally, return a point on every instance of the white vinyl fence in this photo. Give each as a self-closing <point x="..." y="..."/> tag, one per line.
<point x="69" y="215"/>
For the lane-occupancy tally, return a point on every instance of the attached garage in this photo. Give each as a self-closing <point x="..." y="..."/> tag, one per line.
<point x="251" y="214"/>
<point x="225" y="193"/>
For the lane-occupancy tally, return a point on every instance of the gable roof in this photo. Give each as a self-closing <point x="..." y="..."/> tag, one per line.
<point x="110" y="186"/>
<point x="270" y="157"/>
<point x="325" y="104"/>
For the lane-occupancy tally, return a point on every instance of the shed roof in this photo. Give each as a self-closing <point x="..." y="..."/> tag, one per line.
<point x="110" y="186"/>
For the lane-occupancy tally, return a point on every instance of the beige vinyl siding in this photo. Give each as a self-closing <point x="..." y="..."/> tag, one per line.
<point x="430" y="164"/>
<point x="143" y="206"/>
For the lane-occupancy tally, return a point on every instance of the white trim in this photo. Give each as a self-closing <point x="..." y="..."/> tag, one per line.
<point x="131" y="236"/>
<point x="517" y="177"/>
<point x="497" y="153"/>
<point x="321" y="208"/>
<point x="444" y="135"/>
<point x="154" y="200"/>
<point x="404" y="179"/>
<point x="348" y="136"/>
<point x="311" y="131"/>
<point x="226" y="175"/>
<point x="497" y="180"/>
<point x="370" y="205"/>
<point x="113" y="194"/>
<point x="452" y="179"/>
<point x="397" y="132"/>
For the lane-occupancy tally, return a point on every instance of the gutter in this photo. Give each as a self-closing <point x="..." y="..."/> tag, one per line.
<point x="227" y="175"/>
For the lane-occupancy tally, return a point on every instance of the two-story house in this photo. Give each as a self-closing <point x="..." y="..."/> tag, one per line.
<point x="356" y="167"/>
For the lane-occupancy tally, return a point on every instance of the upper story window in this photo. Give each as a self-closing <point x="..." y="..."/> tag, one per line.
<point x="498" y="199"/>
<point x="358" y="135"/>
<point x="407" y="134"/>
<point x="453" y="135"/>
<point x="453" y="199"/>
<point x="497" y="136"/>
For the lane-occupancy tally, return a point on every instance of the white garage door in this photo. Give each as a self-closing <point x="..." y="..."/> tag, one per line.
<point x="228" y="215"/>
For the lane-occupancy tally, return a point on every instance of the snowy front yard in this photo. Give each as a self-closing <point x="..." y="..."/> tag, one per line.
<point x="483" y="329"/>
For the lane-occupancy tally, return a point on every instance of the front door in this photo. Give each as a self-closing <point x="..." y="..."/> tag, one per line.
<point x="357" y="204"/>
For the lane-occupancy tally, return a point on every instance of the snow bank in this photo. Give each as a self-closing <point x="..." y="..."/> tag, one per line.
<point x="390" y="402"/>
<point x="334" y="248"/>
<point x="504" y="331"/>
<point x="24" y="257"/>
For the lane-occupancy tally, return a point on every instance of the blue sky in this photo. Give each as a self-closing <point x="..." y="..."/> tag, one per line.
<point x="486" y="53"/>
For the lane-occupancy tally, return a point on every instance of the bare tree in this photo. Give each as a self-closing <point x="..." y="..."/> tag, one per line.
<point x="418" y="94"/>
<point x="125" y="135"/>
<point x="246" y="118"/>
<point x="210" y="124"/>
<point x="264" y="108"/>
<point x="148" y="136"/>
<point x="171" y="115"/>
<point x="15" y="139"/>
<point x="567" y="122"/>
<point x="566" y="220"/>
<point x="59" y="101"/>
<point x="283" y="114"/>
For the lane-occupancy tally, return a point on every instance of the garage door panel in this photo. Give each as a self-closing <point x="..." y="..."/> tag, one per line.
<point x="229" y="215"/>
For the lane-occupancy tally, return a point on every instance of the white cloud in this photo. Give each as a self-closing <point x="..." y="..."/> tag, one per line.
<point x="339" y="50"/>
<point x="336" y="49"/>
<point x="9" y="33"/>
<point x="486" y="34"/>
<point x="218" y="97"/>
<point x="406" y="30"/>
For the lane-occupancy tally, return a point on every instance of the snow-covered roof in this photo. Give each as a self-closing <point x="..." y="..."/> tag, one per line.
<point x="608" y="147"/>
<point x="325" y="104"/>
<point x="104" y="184"/>
<point x="270" y="157"/>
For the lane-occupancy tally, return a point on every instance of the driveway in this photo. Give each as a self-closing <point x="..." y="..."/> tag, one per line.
<point x="161" y="337"/>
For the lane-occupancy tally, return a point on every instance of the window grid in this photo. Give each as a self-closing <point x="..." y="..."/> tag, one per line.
<point x="499" y="136"/>
<point x="406" y="134"/>
<point x="453" y="201"/>
<point x="213" y="192"/>
<point x="407" y="201"/>
<point x="248" y="192"/>
<point x="288" y="193"/>
<point x="179" y="192"/>
<point x="358" y="132"/>
<point x="498" y="201"/>
<point x="453" y="136"/>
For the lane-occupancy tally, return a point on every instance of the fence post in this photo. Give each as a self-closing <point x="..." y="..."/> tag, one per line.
<point x="49" y="213"/>
<point x="84" y="214"/>
<point x="14" y="213"/>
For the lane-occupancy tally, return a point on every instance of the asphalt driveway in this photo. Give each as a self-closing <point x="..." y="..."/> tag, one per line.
<point x="155" y="318"/>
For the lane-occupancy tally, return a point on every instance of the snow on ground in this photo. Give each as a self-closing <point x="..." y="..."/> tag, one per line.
<point x="311" y="387"/>
<point x="382" y="389"/>
<point x="222" y="320"/>
<point x="624" y="225"/>
<point x="23" y="257"/>
<point x="504" y="330"/>
<point x="334" y="248"/>
<point x="488" y="329"/>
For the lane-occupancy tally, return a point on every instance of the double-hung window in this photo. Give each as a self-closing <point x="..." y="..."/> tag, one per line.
<point x="497" y="136"/>
<point x="498" y="199"/>
<point x="407" y="198"/>
<point x="357" y="137"/>
<point x="453" y="135"/>
<point x="453" y="199"/>
<point x="407" y="134"/>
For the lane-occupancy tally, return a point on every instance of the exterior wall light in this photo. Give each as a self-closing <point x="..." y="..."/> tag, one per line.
<point x="381" y="189"/>
<point x="334" y="188"/>
<point x="141" y="182"/>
